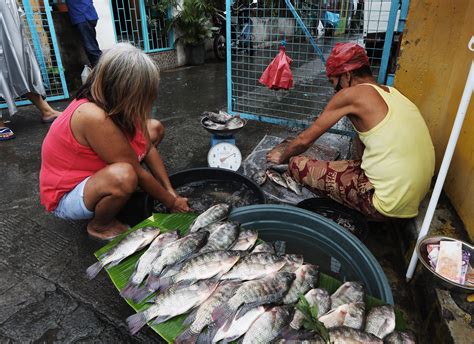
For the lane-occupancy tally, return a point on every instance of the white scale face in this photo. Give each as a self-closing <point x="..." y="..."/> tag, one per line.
<point x="224" y="155"/>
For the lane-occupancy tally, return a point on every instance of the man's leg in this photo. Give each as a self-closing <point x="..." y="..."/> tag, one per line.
<point x="105" y="193"/>
<point x="88" y="34"/>
<point x="156" y="131"/>
<point x="47" y="112"/>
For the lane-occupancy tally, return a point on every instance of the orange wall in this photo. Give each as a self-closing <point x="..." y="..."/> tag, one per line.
<point x="433" y="68"/>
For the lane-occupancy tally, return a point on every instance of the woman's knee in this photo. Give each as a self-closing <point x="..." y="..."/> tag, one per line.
<point x="123" y="178"/>
<point x="156" y="131"/>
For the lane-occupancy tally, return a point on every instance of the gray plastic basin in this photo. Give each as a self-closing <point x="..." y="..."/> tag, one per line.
<point x="321" y="241"/>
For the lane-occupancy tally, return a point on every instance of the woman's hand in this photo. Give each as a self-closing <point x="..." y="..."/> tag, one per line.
<point x="180" y="205"/>
<point x="275" y="156"/>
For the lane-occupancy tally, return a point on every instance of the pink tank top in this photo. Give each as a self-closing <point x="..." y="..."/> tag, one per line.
<point x="65" y="162"/>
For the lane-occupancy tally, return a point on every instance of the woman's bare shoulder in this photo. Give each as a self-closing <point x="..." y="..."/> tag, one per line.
<point x="90" y="112"/>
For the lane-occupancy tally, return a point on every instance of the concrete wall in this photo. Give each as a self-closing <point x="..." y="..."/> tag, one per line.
<point x="433" y="68"/>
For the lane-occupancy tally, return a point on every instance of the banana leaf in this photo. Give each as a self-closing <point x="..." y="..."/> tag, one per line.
<point x="170" y="329"/>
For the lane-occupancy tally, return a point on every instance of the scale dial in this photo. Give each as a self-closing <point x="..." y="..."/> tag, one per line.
<point x="224" y="155"/>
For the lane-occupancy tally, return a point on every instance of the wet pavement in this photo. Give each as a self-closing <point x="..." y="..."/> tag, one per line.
<point x="44" y="295"/>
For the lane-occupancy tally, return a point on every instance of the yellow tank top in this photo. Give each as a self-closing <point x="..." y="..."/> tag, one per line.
<point x="399" y="157"/>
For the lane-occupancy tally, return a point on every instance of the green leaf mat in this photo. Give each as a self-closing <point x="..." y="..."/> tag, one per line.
<point x="169" y="330"/>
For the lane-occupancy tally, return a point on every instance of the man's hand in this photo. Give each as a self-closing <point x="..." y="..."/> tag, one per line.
<point x="275" y="156"/>
<point x="180" y="205"/>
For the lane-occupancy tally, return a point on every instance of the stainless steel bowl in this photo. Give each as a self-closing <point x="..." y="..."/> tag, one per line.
<point x="442" y="281"/>
<point x="223" y="132"/>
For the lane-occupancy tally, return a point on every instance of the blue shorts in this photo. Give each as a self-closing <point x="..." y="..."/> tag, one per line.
<point x="72" y="207"/>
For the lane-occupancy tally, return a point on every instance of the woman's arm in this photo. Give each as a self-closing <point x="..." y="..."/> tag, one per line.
<point x="157" y="167"/>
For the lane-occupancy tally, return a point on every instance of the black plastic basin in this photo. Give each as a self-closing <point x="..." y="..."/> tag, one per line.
<point x="322" y="242"/>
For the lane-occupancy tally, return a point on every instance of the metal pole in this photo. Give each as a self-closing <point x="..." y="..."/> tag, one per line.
<point x="443" y="171"/>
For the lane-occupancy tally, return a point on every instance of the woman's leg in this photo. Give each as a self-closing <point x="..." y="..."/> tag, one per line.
<point x="105" y="193"/>
<point x="47" y="112"/>
<point x="156" y="131"/>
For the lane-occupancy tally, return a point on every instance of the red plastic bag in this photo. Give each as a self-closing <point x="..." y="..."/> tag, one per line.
<point x="278" y="75"/>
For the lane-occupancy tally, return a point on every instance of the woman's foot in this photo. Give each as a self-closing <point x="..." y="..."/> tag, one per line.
<point x="50" y="116"/>
<point x="106" y="232"/>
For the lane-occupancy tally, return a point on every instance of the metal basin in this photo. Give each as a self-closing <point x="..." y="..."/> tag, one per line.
<point x="322" y="242"/>
<point x="224" y="132"/>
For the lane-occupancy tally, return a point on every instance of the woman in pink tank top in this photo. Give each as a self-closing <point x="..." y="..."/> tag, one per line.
<point x="91" y="155"/>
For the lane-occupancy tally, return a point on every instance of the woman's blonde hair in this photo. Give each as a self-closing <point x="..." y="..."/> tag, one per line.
<point x="125" y="84"/>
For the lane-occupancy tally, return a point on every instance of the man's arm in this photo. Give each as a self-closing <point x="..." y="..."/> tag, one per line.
<point x="339" y="106"/>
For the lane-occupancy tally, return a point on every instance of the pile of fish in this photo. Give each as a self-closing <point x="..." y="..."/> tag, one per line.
<point x="280" y="176"/>
<point x="232" y="287"/>
<point x="221" y="121"/>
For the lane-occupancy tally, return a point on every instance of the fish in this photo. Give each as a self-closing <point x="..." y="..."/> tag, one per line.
<point x="202" y="266"/>
<point x="250" y="294"/>
<point x="201" y="317"/>
<point x="380" y="321"/>
<point x="268" y="326"/>
<point x="144" y="264"/>
<point x="253" y="266"/>
<point x="130" y="244"/>
<point x="173" y="254"/>
<point x="280" y="247"/>
<point x="397" y="337"/>
<point x="212" y="125"/>
<point x="238" y="327"/>
<point x="306" y="278"/>
<point x="276" y="178"/>
<point x="221" y="117"/>
<point x="278" y="168"/>
<point x="264" y="248"/>
<point x="350" y="315"/>
<point x="347" y="293"/>
<point x="173" y="302"/>
<point x="222" y="237"/>
<point x="234" y="123"/>
<point x="245" y="240"/>
<point x="259" y="177"/>
<point x="293" y="262"/>
<point x="215" y="213"/>
<point x="292" y="184"/>
<point x="318" y="297"/>
<point x="347" y="335"/>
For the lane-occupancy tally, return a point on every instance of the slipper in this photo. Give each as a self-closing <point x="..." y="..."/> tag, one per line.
<point x="6" y="134"/>
<point x="49" y="120"/>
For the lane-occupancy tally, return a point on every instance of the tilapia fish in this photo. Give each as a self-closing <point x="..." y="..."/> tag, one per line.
<point x="347" y="293"/>
<point x="319" y="297"/>
<point x="144" y="264"/>
<point x="175" y="301"/>
<point x="276" y="178"/>
<point x="350" y="315"/>
<point x="245" y="240"/>
<point x="255" y="266"/>
<point x="220" y="117"/>
<point x="347" y="335"/>
<point x="282" y="168"/>
<point x="259" y="177"/>
<point x="212" y="125"/>
<point x="268" y="326"/>
<point x="293" y="262"/>
<point x="292" y="184"/>
<point x="270" y="289"/>
<point x="222" y="237"/>
<point x="203" y="266"/>
<point x="397" y="337"/>
<point x="264" y="248"/>
<point x="238" y="327"/>
<point x="201" y="317"/>
<point x="380" y="321"/>
<point x="306" y="279"/>
<point x="174" y="253"/>
<point x="214" y="214"/>
<point x="132" y="243"/>
<point x="234" y="123"/>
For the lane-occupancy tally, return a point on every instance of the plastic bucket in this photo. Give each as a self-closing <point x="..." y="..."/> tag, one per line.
<point x="322" y="242"/>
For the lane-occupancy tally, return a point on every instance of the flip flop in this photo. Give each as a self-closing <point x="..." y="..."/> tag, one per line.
<point x="49" y="120"/>
<point x="6" y="134"/>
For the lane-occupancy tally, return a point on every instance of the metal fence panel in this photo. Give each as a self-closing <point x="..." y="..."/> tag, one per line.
<point x="311" y="28"/>
<point x="142" y="23"/>
<point x="39" y="28"/>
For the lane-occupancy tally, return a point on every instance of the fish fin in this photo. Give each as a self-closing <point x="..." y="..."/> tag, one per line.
<point x="221" y="314"/>
<point x="94" y="269"/>
<point x="168" y="269"/>
<point x="135" y="322"/>
<point x="152" y="282"/>
<point x="245" y="308"/>
<point x="129" y="290"/>
<point x="190" y="318"/>
<point x="191" y="226"/>
<point x="163" y="283"/>
<point x="287" y="333"/>
<point x="140" y="294"/>
<point x="159" y="320"/>
<point x="187" y="337"/>
<point x="208" y="336"/>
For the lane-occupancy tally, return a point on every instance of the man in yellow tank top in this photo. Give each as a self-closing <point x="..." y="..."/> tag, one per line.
<point x="397" y="162"/>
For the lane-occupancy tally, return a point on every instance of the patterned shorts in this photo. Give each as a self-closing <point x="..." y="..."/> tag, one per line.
<point x="343" y="181"/>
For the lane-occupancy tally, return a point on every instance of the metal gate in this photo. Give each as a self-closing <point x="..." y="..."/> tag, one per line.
<point x="143" y="24"/>
<point x="39" y="28"/>
<point x="311" y="28"/>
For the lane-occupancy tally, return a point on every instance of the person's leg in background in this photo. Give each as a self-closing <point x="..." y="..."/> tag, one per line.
<point x="88" y="34"/>
<point x="48" y="114"/>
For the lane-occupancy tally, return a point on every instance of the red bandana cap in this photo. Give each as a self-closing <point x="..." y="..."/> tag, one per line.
<point x="345" y="57"/>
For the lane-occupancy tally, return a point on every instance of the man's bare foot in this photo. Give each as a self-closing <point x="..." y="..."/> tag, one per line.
<point x="106" y="232"/>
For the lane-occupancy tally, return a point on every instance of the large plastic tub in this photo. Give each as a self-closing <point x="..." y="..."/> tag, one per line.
<point x="322" y="242"/>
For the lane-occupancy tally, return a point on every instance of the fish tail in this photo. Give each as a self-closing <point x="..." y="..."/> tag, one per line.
<point x="140" y="294"/>
<point x="135" y="322"/>
<point x="163" y="283"/>
<point x="153" y="282"/>
<point x="187" y="337"/>
<point x="129" y="290"/>
<point x="205" y="338"/>
<point x="94" y="269"/>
